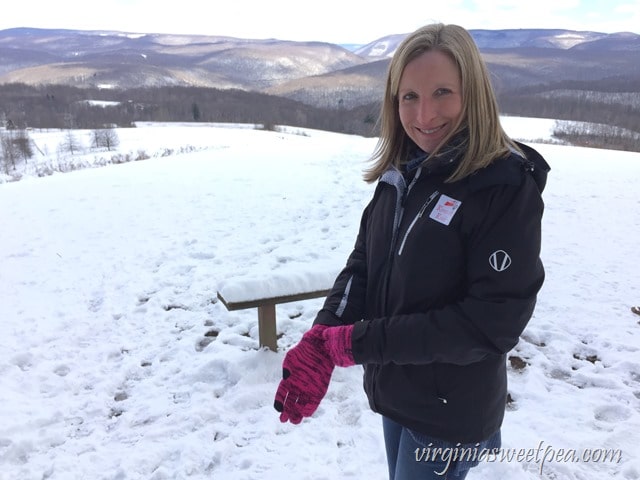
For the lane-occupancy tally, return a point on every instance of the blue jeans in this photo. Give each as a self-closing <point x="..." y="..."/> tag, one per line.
<point x="414" y="456"/>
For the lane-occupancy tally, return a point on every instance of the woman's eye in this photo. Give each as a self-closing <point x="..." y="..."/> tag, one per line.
<point x="442" y="91"/>
<point x="408" y="96"/>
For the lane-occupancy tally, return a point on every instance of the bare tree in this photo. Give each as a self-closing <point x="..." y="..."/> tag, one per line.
<point x="105" y="138"/>
<point x="9" y="152"/>
<point x="22" y="144"/>
<point x="110" y="138"/>
<point x="5" y="151"/>
<point x="96" y="141"/>
<point x="70" y="143"/>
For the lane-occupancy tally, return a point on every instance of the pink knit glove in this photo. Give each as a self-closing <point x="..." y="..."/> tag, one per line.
<point x="338" y="344"/>
<point x="306" y="372"/>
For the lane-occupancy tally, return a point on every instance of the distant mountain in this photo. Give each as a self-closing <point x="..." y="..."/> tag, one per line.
<point x="383" y="47"/>
<point x="517" y="58"/>
<point x="623" y="41"/>
<point x="116" y="59"/>
<point x="508" y="39"/>
<point x="320" y="74"/>
<point x="534" y="38"/>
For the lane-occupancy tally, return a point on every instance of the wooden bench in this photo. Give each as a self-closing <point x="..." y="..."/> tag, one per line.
<point x="267" y="292"/>
<point x="267" y="312"/>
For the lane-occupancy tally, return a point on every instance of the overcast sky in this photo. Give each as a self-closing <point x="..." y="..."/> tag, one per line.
<point x="336" y="21"/>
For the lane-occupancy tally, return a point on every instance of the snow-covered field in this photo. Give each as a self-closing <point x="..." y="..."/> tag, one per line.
<point x="117" y="362"/>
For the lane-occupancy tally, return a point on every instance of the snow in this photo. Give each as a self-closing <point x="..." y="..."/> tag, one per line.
<point x="532" y="129"/>
<point x="290" y="281"/>
<point x="571" y="39"/>
<point x="102" y="103"/>
<point x="117" y="362"/>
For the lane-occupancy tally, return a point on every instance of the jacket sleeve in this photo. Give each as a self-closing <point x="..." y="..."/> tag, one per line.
<point x="345" y="303"/>
<point x="502" y="232"/>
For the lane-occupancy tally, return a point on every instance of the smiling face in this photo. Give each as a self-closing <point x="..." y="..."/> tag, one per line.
<point x="430" y="98"/>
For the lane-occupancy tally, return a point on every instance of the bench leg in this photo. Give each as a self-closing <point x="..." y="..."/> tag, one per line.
<point x="267" y="327"/>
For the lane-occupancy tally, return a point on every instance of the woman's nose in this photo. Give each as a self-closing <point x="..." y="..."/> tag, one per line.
<point x="426" y="111"/>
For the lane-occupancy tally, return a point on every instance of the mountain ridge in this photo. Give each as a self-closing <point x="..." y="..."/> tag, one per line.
<point x="320" y="74"/>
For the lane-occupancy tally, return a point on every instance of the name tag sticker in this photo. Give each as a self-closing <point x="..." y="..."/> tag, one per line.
<point x="445" y="209"/>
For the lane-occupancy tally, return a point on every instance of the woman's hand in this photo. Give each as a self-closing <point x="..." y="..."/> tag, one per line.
<point x="306" y="372"/>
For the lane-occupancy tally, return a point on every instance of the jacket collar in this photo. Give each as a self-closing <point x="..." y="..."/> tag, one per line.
<point x="443" y="162"/>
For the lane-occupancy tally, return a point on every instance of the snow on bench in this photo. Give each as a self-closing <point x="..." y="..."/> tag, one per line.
<point x="265" y="292"/>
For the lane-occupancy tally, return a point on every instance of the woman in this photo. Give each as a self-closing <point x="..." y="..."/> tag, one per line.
<point x="445" y="271"/>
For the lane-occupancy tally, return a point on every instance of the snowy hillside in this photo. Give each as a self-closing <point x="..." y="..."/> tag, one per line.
<point x="117" y="362"/>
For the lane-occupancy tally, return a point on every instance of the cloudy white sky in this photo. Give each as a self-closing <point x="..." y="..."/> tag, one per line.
<point x="336" y="21"/>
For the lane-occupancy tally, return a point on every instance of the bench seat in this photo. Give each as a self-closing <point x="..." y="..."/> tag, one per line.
<point x="269" y="292"/>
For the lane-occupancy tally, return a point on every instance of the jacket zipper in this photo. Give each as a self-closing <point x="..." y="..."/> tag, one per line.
<point x="396" y="228"/>
<point x="398" y="214"/>
<point x="416" y="218"/>
<point x="387" y="274"/>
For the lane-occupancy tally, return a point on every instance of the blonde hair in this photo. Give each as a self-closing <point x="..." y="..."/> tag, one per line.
<point x="485" y="139"/>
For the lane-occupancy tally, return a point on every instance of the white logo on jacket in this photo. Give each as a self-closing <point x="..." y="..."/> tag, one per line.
<point x="499" y="260"/>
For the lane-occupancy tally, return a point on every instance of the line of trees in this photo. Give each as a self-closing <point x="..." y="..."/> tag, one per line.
<point x="57" y="106"/>
<point x="597" y="136"/>
<point x="16" y="145"/>
<point x="613" y="102"/>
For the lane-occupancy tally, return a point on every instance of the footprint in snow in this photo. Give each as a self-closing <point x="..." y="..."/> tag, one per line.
<point x="61" y="370"/>
<point x="612" y="413"/>
<point x="208" y="338"/>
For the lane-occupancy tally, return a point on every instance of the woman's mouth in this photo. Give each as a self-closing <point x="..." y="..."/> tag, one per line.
<point x="430" y="131"/>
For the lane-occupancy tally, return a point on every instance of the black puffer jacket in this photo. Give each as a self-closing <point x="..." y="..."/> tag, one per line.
<point x="441" y="283"/>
